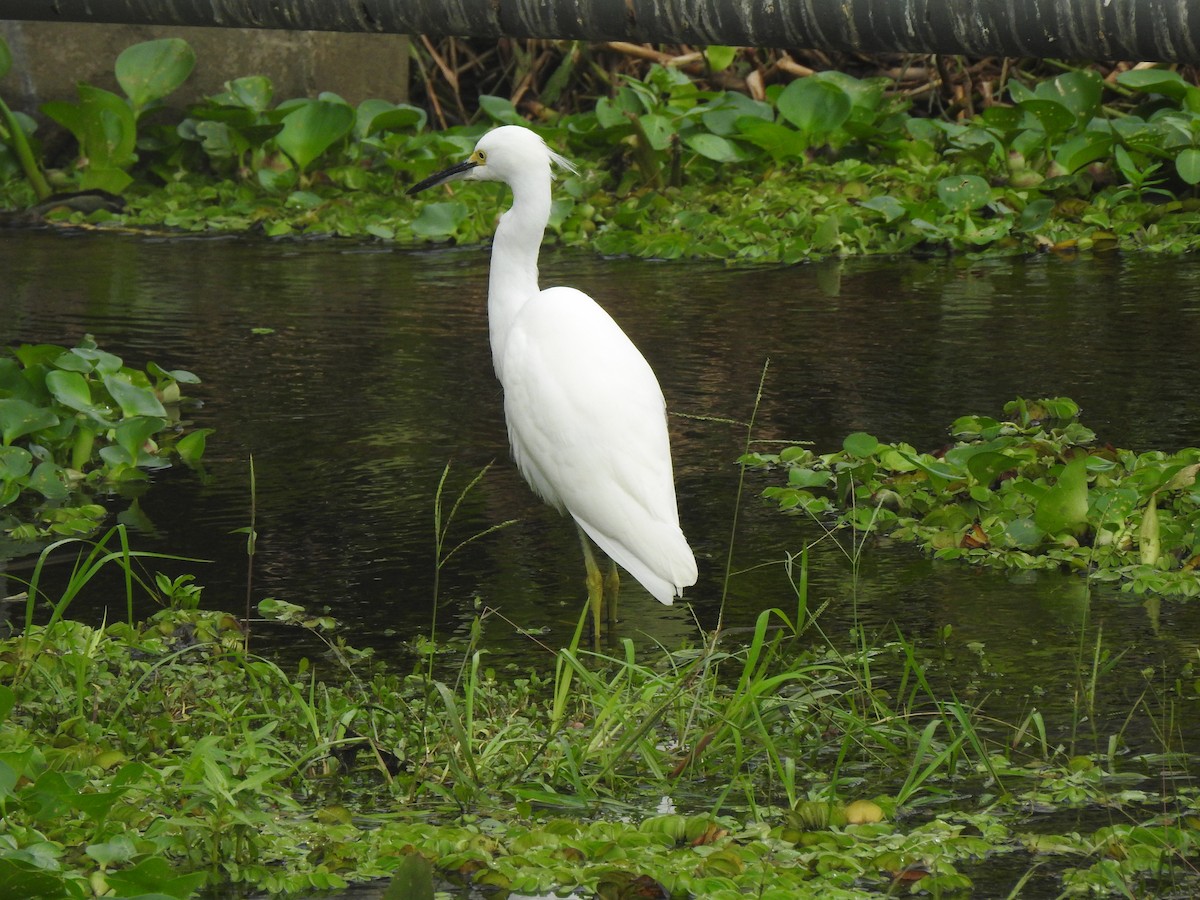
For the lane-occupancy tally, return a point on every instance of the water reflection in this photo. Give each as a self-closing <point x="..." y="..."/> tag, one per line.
<point x="376" y="373"/>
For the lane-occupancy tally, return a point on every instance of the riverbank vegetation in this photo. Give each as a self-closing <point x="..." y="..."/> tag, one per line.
<point x="155" y="758"/>
<point x="710" y="154"/>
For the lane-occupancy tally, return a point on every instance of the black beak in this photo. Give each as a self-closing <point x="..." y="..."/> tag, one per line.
<point x="451" y="174"/>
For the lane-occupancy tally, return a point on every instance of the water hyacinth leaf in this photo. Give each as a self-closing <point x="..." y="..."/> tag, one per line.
<point x="1084" y="149"/>
<point x="73" y="362"/>
<point x="47" y="480"/>
<point x="964" y="192"/>
<point x="1187" y="164"/>
<point x="715" y="147"/>
<point x="253" y="92"/>
<point x="119" y="849"/>
<point x="500" y="109"/>
<point x="312" y="128"/>
<point x="1023" y="533"/>
<point x="154" y="876"/>
<point x="15" y="462"/>
<point x="721" y="114"/>
<point x="133" y="433"/>
<point x="183" y="376"/>
<point x="152" y="69"/>
<point x="1155" y="81"/>
<point x="778" y="140"/>
<point x="439" y="220"/>
<point x="191" y="446"/>
<point x="1054" y="117"/>
<point x="101" y="361"/>
<point x="860" y="444"/>
<point x="657" y="130"/>
<point x="374" y="115"/>
<point x="1035" y="215"/>
<point x="815" y="107"/>
<point x="987" y="466"/>
<point x="939" y="474"/>
<point x="19" y="418"/>
<point x="133" y="399"/>
<point x="71" y="390"/>
<point x="1064" y="506"/>
<point x="22" y="879"/>
<point x="886" y="205"/>
<point x="412" y="879"/>
<point x="110" y="134"/>
<point x="1079" y="92"/>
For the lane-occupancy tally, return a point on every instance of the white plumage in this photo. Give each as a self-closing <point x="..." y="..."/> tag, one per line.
<point x="586" y="417"/>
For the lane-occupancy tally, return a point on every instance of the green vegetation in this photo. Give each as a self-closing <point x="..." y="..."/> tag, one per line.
<point x="161" y="757"/>
<point x="77" y="425"/>
<point x="1037" y="491"/>
<point x="824" y="165"/>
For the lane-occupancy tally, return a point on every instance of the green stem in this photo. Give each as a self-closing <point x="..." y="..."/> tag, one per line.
<point x="25" y="153"/>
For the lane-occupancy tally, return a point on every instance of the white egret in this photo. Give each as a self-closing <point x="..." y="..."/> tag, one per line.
<point x="586" y="417"/>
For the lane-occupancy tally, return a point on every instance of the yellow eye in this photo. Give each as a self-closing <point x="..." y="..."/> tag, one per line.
<point x="480" y="157"/>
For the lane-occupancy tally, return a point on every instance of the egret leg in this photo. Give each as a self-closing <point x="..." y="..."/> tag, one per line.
<point x="612" y="586"/>
<point x="595" y="584"/>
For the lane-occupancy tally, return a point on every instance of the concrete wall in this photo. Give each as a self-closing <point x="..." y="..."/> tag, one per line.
<point x="50" y="57"/>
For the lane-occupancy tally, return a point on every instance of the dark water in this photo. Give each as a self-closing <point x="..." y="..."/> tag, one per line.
<point x="377" y="374"/>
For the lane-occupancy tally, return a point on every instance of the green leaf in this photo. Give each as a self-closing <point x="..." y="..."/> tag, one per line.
<point x="860" y="444"/>
<point x="500" y="109"/>
<point x="374" y="115"/>
<point x="119" y="849"/>
<point x="412" y="879"/>
<point x="1064" y="505"/>
<point x="15" y="462"/>
<point x="657" y="129"/>
<point x="715" y="147"/>
<point x="133" y="433"/>
<point x="70" y="389"/>
<point x="1036" y="214"/>
<point x="1053" y="116"/>
<point x="439" y="220"/>
<point x="988" y="465"/>
<point x="964" y="192"/>
<point x="720" y="58"/>
<point x="312" y="128"/>
<point x="1084" y="149"/>
<point x="886" y="205"/>
<point x="1079" y="92"/>
<point x="133" y="399"/>
<point x="152" y="69"/>
<point x="1155" y="81"/>
<point x="154" y="875"/>
<point x="778" y="140"/>
<point x="816" y="107"/>
<point x="1187" y="164"/>
<point x="47" y="480"/>
<point x="191" y="446"/>
<point x="5" y="57"/>
<point x="19" y="418"/>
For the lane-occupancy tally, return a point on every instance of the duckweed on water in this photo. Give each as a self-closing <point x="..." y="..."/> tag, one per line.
<point x="163" y="757"/>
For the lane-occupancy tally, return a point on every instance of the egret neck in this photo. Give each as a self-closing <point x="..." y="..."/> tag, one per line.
<point x="514" y="271"/>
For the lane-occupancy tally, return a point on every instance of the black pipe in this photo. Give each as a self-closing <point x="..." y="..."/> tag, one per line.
<point x="1160" y="30"/>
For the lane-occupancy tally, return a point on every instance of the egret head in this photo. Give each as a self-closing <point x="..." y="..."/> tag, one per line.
<point x="508" y="153"/>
